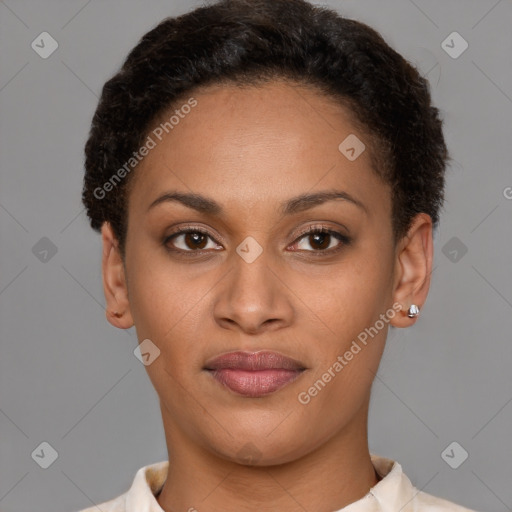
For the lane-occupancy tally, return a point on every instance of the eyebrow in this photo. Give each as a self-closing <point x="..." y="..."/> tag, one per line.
<point x="297" y="204"/>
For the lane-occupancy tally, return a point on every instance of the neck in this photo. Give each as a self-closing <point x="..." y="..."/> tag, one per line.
<point x="336" y="474"/>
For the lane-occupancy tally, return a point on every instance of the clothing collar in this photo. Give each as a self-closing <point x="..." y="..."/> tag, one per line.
<point x="390" y="494"/>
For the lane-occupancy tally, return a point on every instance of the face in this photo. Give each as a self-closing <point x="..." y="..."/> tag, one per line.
<point x="250" y="231"/>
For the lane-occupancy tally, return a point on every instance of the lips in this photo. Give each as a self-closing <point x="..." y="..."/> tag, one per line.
<point x="254" y="374"/>
<point x="253" y="361"/>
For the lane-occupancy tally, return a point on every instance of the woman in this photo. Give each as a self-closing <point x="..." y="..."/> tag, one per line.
<point x="266" y="176"/>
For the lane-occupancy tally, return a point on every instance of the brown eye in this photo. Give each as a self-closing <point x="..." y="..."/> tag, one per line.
<point x="189" y="240"/>
<point x="195" y="240"/>
<point x="322" y="240"/>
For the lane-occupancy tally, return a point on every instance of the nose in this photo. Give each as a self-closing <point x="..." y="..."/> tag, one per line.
<point x="253" y="298"/>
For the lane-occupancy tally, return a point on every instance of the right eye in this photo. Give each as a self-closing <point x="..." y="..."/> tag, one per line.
<point x="190" y="239"/>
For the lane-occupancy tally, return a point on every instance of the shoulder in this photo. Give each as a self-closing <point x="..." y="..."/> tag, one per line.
<point x="427" y="503"/>
<point x="115" y="505"/>
<point x="396" y="492"/>
<point x="140" y="496"/>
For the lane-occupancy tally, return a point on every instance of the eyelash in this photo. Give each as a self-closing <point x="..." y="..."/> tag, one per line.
<point x="311" y="230"/>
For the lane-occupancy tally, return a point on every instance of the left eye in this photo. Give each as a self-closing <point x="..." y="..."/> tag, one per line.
<point x="322" y="240"/>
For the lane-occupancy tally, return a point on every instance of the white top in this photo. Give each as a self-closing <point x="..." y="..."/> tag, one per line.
<point x="391" y="494"/>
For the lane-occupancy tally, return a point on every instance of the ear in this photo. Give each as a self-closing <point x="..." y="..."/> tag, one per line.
<point x="114" y="281"/>
<point x="413" y="268"/>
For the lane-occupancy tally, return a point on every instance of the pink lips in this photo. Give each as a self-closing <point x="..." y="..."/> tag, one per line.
<point x="254" y="374"/>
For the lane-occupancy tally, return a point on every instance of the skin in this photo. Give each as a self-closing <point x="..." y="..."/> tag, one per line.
<point x="251" y="149"/>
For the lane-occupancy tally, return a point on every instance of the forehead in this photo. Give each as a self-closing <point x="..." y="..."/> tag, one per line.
<point x="249" y="145"/>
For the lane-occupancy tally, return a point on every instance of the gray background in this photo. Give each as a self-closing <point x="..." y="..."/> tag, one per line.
<point x="69" y="378"/>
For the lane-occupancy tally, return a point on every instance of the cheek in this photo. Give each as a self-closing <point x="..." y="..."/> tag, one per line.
<point x="351" y="296"/>
<point x="165" y="309"/>
<point x="159" y="294"/>
<point x="168" y="307"/>
<point x="350" y="348"/>
<point x="349" y="302"/>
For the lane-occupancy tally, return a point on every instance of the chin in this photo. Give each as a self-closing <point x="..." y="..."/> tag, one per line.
<point x="262" y="450"/>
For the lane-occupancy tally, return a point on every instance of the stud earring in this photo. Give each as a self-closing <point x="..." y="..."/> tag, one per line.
<point x="116" y="314"/>
<point x="413" y="311"/>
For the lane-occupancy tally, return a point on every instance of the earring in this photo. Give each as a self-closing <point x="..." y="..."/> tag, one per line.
<point x="116" y="314"/>
<point x="413" y="311"/>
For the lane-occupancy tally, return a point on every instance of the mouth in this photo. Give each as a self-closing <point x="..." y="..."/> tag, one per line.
<point x="254" y="374"/>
